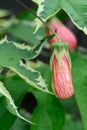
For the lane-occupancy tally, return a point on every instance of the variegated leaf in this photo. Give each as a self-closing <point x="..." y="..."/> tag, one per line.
<point x="11" y="54"/>
<point x="10" y="103"/>
<point x="77" y="10"/>
<point x="24" y="30"/>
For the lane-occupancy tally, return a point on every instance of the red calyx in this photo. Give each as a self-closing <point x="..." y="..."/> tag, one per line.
<point x="61" y="78"/>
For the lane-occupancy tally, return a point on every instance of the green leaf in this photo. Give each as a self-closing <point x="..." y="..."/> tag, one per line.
<point x="8" y="101"/>
<point x="6" y="117"/>
<point x="49" y="113"/>
<point x="78" y="13"/>
<point x="20" y="124"/>
<point x="27" y="15"/>
<point x="72" y="124"/>
<point x="17" y="88"/>
<point x="13" y="61"/>
<point x="24" y="30"/>
<point x="79" y="67"/>
<point x="47" y="104"/>
<point x="77" y="10"/>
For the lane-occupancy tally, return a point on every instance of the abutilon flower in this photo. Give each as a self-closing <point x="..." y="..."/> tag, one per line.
<point x="61" y="72"/>
<point x="65" y="34"/>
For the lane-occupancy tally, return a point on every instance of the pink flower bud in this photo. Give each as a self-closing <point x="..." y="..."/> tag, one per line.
<point x="65" y="34"/>
<point x="61" y="77"/>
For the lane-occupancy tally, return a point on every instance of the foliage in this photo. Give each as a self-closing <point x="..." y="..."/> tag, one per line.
<point x="75" y="9"/>
<point x="22" y="73"/>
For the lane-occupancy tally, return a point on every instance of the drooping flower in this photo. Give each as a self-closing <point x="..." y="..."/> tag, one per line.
<point x="65" y="34"/>
<point x="61" y="72"/>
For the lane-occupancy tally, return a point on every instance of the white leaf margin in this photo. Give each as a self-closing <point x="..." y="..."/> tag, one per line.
<point x="41" y="9"/>
<point x="4" y="92"/>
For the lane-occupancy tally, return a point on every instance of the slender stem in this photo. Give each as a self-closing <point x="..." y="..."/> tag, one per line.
<point x="54" y="32"/>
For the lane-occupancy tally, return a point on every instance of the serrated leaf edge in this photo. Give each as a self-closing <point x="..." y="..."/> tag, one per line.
<point x="39" y="79"/>
<point x="7" y="95"/>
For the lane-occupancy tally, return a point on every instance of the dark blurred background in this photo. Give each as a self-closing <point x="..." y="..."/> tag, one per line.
<point x="14" y="5"/>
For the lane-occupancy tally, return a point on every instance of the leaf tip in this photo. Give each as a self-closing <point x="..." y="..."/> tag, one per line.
<point x="3" y="40"/>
